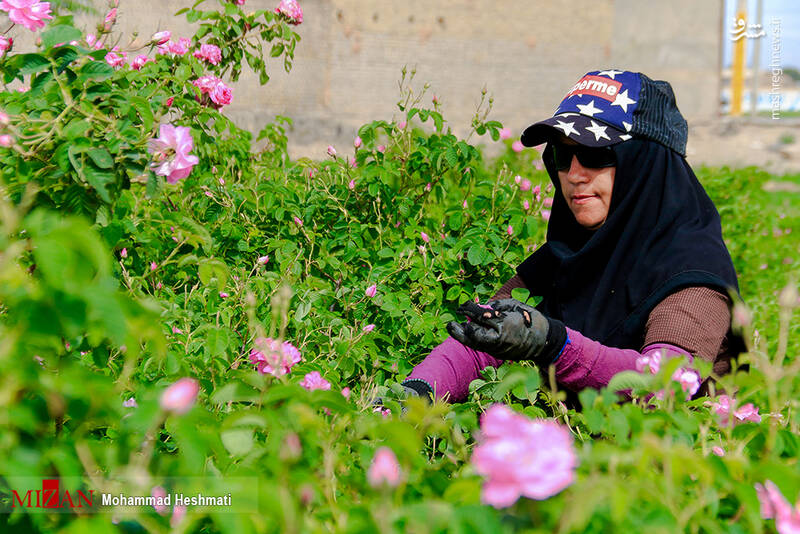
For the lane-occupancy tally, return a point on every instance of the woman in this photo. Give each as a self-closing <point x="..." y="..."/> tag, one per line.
<point x="634" y="261"/>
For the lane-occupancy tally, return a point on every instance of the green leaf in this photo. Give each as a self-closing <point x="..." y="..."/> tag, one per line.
<point x="238" y="441"/>
<point x="101" y="157"/>
<point x="32" y="63"/>
<point x="477" y="255"/>
<point x="629" y="380"/>
<point x="520" y="293"/>
<point x="142" y="107"/>
<point x="216" y="341"/>
<point x="95" y="70"/>
<point x="213" y="269"/>
<point x="60" y="34"/>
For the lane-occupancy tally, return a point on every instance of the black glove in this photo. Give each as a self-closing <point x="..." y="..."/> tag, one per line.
<point x="510" y="330"/>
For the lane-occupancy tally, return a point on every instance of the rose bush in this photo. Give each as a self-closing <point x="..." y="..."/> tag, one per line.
<point x="182" y="312"/>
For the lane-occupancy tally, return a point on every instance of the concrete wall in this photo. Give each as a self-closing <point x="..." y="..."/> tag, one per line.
<point x="526" y="53"/>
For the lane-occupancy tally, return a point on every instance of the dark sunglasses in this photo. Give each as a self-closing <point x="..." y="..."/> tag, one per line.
<point x="560" y="156"/>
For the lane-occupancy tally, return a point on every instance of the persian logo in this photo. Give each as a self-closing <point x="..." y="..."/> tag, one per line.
<point x="50" y="496"/>
<point x="598" y="86"/>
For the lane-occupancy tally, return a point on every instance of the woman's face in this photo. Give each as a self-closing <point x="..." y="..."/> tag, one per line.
<point x="587" y="191"/>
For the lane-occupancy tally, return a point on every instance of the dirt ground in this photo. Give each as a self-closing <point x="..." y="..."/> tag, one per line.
<point x="773" y="145"/>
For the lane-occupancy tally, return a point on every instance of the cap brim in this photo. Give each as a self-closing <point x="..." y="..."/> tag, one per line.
<point x="580" y="128"/>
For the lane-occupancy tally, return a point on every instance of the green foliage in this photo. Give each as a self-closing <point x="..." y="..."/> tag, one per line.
<point x="114" y="285"/>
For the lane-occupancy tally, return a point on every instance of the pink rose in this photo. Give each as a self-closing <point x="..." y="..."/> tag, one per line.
<point x="159" y="494"/>
<point x="367" y="329"/>
<point x="139" y="61"/>
<point x="526" y="205"/>
<point x="123" y="253"/>
<point x="775" y="506"/>
<point x="722" y="408"/>
<point x="402" y="124"/>
<point x="159" y="38"/>
<point x="505" y="133"/>
<point x="425" y="237"/>
<point x="314" y="380"/>
<point x="525" y="185"/>
<point x="522" y="457"/>
<point x="180" y="396"/>
<point x="357" y="142"/>
<point x="171" y="152"/>
<point x="384" y="470"/>
<point x="371" y="290"/>
<point x="115" y="60"/>
<point x="381" y="149"/>
<point x="536" y="190"/>
<point x="291" y="10"/>
<point x="546" y="215"/>
<point x="273" y="358"/>
<point x="298" y="221"/>
<point x="517" y="146"/>
<point x="130" y="403"/>
<point x="510" y="230"/>
<point x="548" y="202"/>
<point x="110" y="18"/>
<point x="179" y="48"/>
<point x="331" y="151"/>
<point x="263" y="260"/>
<point x="29" y="13"/>
<point x="5" y="45"/>
<point x="689" y="379"/>
<point x="6" y="140"/>
<point x="210" y="53"/>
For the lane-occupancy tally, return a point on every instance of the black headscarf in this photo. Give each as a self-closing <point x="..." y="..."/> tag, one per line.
<point x="662" y="234"/>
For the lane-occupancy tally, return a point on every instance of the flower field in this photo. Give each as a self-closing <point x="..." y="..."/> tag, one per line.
<point x="181" y="313"/>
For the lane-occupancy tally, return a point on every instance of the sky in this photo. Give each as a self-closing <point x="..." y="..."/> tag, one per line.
<point x="788" y="11"/>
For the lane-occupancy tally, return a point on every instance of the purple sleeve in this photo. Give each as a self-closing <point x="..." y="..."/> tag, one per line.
<point x="450" y="367"/>
<point x="585" y="363"/>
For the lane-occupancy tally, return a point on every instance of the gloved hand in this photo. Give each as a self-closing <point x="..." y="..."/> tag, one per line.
<point x="510" y="330"/>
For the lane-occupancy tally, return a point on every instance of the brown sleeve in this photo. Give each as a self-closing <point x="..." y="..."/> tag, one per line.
<point x="696" y="319"/>
<point x="505" y="291"/>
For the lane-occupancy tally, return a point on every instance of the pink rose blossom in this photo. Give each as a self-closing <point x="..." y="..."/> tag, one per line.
<point x="517" y="146"/>
<point x="381" y="149"/>
<point x="180" y="47"/>
<point x="159" y="285"/>
<point x="536" y="190"/>
<point x="517" y="179"/>
<point x="505" y="133"/>
<point x="526" y="205"/>
<point x="4" y="118"/>
<point x="548" y="202"/>
<point x="159" y="493"/>
<point x="357" y="142"/>
<point x="367" y="329"/>
<point x="291" y="10"/>
<point x="176" y="330"/>
<point x="171" y="152"/>
<point x="525" y="185"/>
<point x="425" y="237"/>
<point x="263" y="260"/>
<point x="5" y="45"/>
<point x="130" y="403"/>
<point x="371" y="290"/>
<point x="352" y="162"/>
<point x="510" y="230"/>
<point x="722" y="408"/>
<point x="209" y="194"/>
<point x="651" y="361"/>
<point x="346" y="392"/>
<point x="115" y="60"/>
<point x="28" y="13"/>
<point x="775" y="506"/>
<point x="314" y="380"/>
<point x="464" y="204"/>
<point x="178" y="513"/>
<point x="180" y="396"/>
<point x="384" y="470"/>
<point x="719" y="451"/>
<point x="123" y="253"/>
<point x="298" y="221"/>
<point x="546" y="215"/>
<point x="210" y="53"/>
<point x="402" y="124"/>
<point x="331" y="151"/>
<point x="385" y="412"/>
<point x="111" y="17"/>
<point x="139" y="61"/>
<point x="522" y="457"/>
<point x="351" y="185"/>
<point x="153" y="266"/>
<point x="223" y="295"/>
<point x="6" y="140"/>
<point x="273" y="358"/>
<point x="169" y="101"/>
<point x="162" y="37"/>
<point x="428" y="186"/>
<point x="689" y="379"/>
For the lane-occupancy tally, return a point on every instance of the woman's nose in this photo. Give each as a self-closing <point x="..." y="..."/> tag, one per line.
<point x="577" y="172"/>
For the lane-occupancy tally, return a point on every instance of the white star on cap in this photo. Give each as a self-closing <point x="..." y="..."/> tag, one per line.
<point x="610" y="73"/>
<point x="622" y="100"/>
<point x="589" y="109"/>
<point x="598" y="131"/>
<point x="627" y="126"/>
<point x="625" y="137"/>
<point x="567" y="127"/>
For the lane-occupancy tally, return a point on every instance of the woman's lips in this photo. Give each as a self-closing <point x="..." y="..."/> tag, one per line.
<point x="582" y="199"/>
